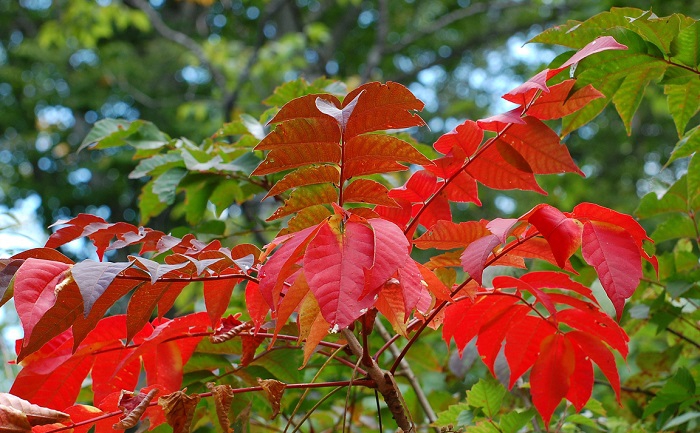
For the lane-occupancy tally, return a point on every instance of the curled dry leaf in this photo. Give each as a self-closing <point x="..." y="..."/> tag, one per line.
<point x="179" y="409"/>
<point x="223" y="396"/>
<point x="13" y="420"/>
<point x="34" y="414"/>
<point x="273" y="391"/>
<point x="133" y="405"/>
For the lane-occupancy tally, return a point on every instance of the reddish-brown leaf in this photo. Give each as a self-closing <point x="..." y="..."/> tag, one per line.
<point x="382" y="106"/>
<point x="179" y="410"/>
<point x="551" y="374"/>
<point x="142" y="304"/>
<point x="93" y="279"/>
<point x="273" y="390"/>
<point x="298" y="155"/>
<point x="73" y="229"/>
<point x="223" y="396"/>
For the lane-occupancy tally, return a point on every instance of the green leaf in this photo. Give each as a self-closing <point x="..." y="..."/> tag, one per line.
<point x="678" y="389"/>
<point x="225" y="193"/>
<point x="576" y="34"/>
<point x="513" y="421"/>
<point x="197" y="190"/>
<point x="674" y="227"/>
<point x="685" y="48"/>
<point x="282" y="364"/>
<point x="110" y="133"/>
<point x="165" y="185"/>
<point x="579" y="419"/>
<point x="149" y="203"/>
<point x="483" y="427"/>
<point x="658" y="31"/>
<point x="683" y="102"/>
<point x="687" y="145"/>
<point x="157" y="164"/>
<point x="451" y="415"/>
<point x="673" y="200"/>
<point x="681" y="419"/>
<point x="629" y="95"/>
<point x="487" y="394"/>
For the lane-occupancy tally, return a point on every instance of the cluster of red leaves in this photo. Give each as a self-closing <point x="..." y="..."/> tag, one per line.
<point x="339" y="260"/>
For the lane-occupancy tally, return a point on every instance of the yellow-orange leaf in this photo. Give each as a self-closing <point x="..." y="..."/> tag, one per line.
<point x="305" y="197"/>
<point x="306" y="176"/>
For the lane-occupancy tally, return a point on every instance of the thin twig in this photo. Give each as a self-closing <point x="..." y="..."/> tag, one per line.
<point x="408" y="374"/>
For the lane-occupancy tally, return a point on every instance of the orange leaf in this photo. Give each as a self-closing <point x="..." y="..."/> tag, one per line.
<point x="375" y="153"/>
<point x="391" y="304"/>
<point x="298" y="155"/>
<point x="304" y="197"/>
<point x="382" y="106"/>
<point x="303" y="107"/>
<point x="306" y="176"/>
<point x="558" y="103"/>
<point x="367" y="191"/>
<point x="179" y="409"/>
<point x="446" y="235"/>
<point x="312" y="326"/>
<point x="491" y="169"/>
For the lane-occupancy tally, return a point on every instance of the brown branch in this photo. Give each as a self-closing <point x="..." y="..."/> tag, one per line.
<point x="408" y="373"/>
<point x="386" y="385"/>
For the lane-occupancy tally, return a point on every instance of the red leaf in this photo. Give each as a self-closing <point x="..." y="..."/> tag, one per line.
<point x="538" y="248"/>
<point x="492" y="333"/>
<point x="558" y="103"/>
<point x="390" y="303"/>
<point x="602" y="43"/>
<point x="438" y="209"/>
<point x="600" y="354"/>
<point x="582" y="379"/>
<point x="382" y="106"/>
<point x="551" y="374"/>
<point x="217" y="295"/>
<point x="476" y="254"/>
<point x="507" y="282"/>
<point x="557" y="280"/>
<point x="35" y="286"/>
<point x="142" y="304"/>
<point x="391" y="250"/>
<point x="462" y="188"/>
<point x="467" y="136"/>
<point x="523" y="340"/>
<point x="523" y="94"/>
<point x="419" y="187"/>
<point x="255" y="304"/>
<point x="434" y="285"/>
<point x="334" y="265"/>
<point x="398" y="215"/>
<point x="540" y="146"/>
<point x="411" y="284"/>
<point x="464" y="319"/>
<point x="597" y="324"/>
<point x="290" y="302"/>
<point x="501" y="121"/>
<point x="562" y="233"/>
<point x="73" y="230"/>
<point x="615" y="257"/>
<point x="490" y="168"/>
<point x="502" y="227"/>
<point x="594" y="212"/>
